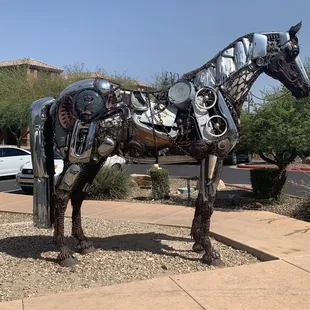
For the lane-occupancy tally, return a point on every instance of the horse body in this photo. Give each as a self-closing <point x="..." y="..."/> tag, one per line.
<point x="197" y="116"/>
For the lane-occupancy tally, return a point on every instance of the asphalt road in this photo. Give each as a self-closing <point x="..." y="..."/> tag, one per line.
<point x="229" y="175"/>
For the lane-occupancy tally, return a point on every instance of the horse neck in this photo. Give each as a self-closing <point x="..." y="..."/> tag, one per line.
<point x="231" y="70"/>
<point x="237" y="86"/>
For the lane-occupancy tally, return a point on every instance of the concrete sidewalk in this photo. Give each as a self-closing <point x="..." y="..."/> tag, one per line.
<point x="281" y="282"/>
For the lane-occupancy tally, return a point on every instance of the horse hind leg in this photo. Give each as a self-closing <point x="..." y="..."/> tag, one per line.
<point x="64" y="189"/>
<point x="66" y="256"/>
<point x="79" y="194"/>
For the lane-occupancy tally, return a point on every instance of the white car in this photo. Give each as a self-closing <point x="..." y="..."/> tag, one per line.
<point x="11" y="158"/>
<point x="24" y="177"/>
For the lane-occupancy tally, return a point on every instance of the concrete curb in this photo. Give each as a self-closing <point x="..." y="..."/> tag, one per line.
<point x="239" y="186"/>
<point x="250" y="190"/>
<point x="246" y="166"/>
<point x="263" y="256"/>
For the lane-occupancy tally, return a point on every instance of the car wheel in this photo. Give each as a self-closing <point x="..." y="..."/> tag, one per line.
<point x="117" y="167"/>
<point x="234" y="158"/>
<point x="27" y="190"/>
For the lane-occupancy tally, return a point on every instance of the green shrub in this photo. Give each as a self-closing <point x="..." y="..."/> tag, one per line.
<point x="267" y="184"/>
<point x="110" y="183"/>
<point x="160" y="183"/>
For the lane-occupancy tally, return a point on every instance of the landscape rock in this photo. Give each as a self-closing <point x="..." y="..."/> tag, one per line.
<point x="306" y="160"/>
<point x="221" y="186"/>
<point x="143" y="180"/>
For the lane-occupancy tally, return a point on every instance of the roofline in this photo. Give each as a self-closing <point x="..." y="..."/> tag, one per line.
<point x="27" y="62"/>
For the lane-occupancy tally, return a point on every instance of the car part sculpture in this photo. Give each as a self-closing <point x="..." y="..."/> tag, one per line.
<point x="197" y="116"/>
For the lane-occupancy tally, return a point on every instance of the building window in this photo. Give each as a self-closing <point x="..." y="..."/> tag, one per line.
<point x="31" y="70"/>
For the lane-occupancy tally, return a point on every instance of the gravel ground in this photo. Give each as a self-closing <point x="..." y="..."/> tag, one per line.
<point x="127" y="251"/>
<point x="14" y="217"/>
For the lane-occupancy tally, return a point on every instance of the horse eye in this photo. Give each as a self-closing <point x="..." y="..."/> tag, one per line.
<point x="294" y="53"/>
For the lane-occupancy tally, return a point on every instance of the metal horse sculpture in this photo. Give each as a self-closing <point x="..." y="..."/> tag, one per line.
<point x="198" y="116"/>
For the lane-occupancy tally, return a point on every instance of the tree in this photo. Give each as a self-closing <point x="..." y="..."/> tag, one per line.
<point x="276" y="131"/>
<point x="164" y="79"/>
<point x="19" y="90"/>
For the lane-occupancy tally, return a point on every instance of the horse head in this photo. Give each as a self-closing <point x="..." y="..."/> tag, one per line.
<point x="284" y="64"/>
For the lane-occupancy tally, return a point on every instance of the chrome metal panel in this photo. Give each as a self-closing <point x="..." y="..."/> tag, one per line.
<point x="224" y="67"/>
<point x="41" y="187"/>
<point x="41" y="203"/>
<point x="104" y="86"/>
<point x="137" y="105"/>
<point x="234" y="134"/>
<point x="301" y="68"/>
<point x="228" y="53"/>
<point x="246" y="45"/>
<point x="77" y="86"/>
<point x="204" y="78"/>
<point x="81" y="155"/>
<point x="38" y="117"/>
<point x="212" y="162"/>
<point x="240" y="55"/>
<point x="148" y="128"/>
<point x="68" y="181"/>
<point x="181" y="94"/>
<point x="259" y="43"/>
<point x="168" y="115"/>
<point x="106" y="147"/>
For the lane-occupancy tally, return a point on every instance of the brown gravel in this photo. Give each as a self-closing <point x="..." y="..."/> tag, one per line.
<point x="14" y="217"/>
<point x="127" y="251"/>
<point x="231" y="198"/>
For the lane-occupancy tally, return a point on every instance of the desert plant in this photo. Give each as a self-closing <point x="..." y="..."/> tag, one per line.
<point x="160" y="183"/>
<point x="110" y="183"/>
<point x="268" y="183"/>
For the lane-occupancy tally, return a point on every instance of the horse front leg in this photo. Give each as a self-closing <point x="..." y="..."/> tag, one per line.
<point x="210" y="171"/>
<point x="78" y="196"/>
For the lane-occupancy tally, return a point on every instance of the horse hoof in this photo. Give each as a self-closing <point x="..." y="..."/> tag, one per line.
<point x="198" y="248"/>
<point x="68" y="262"/>
<point x="217" y="262"/>
<point x="87" y="250"/>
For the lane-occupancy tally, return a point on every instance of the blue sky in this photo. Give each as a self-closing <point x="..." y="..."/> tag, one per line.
<point x="138" y="37"/>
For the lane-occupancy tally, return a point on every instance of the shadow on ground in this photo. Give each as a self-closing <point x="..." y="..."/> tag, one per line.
<point x="32" y="246"/>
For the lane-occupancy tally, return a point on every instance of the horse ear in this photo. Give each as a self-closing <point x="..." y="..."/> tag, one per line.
<point x="294" y="29"/>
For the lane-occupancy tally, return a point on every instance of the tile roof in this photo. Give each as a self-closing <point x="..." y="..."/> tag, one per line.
<point x="30" y="62"/>
<point x="102" y="75"/>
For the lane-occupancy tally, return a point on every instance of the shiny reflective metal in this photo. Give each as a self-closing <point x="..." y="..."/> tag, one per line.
<point x="104" y="86"/>
<point x="214" y="126"/>
<point x="204" y="78"/>
<point x="106" y="147"/>
<point x="81" y="143"/>
<point x="181" y="94"/>
<point x="38" y="117"/>
<point x="69" y="178"/>
<point x="41" y="188"/>
<point x="212" y="162"/>
<point x="259" y="45"/>
<point x="206" y="98"/>
<point x="138" y="101"/>
<point x="41" y="203"/>
<point x="77" y="87"/>
<point x="233" y="131"/>
<point x="240" y="55"/>
<point x="301" y="68"/>
<point x="224" y="67"/>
